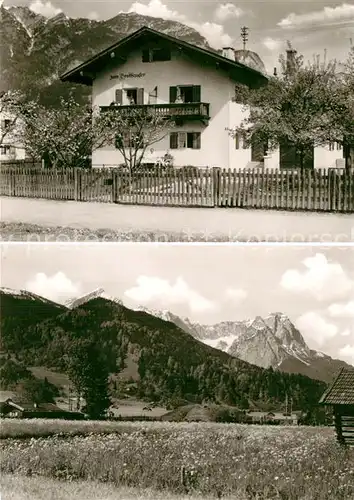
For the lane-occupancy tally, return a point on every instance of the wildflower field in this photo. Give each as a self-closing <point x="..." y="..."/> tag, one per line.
<point x="200" y="459"/>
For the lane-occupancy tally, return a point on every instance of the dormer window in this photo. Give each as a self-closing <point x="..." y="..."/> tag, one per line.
<point x="156" y="54"/>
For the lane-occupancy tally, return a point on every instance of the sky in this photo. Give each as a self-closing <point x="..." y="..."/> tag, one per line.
<point x="312" y="26"/>
<point x="314" y="286"/>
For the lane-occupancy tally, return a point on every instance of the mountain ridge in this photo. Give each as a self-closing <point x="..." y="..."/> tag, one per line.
<point x="36" y="49"/>
<point x="272" y="341"/>
<point x="153" y="357"/>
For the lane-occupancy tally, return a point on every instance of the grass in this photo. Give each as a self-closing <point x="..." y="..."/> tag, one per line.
<point x="231" y="460"/>
<point x="17" y="487"/>
<point x="18" y="231"/>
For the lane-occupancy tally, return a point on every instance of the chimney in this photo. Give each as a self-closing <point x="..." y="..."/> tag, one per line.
<point x="228" y="52"/>
<point x="290" y="61"/>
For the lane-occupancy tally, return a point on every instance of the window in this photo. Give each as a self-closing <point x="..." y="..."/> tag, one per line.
<point x="134" y="96"/>
<point x="182" y="140"/>
<point x="157" y="54"/>
<point x="6" y="124"/>
<point x="185" y="93"/>
<point x="128" y="139"/>
<point x="334" y="145"/>
<point x="5" y="150"/>
<point x="131" y="96"/>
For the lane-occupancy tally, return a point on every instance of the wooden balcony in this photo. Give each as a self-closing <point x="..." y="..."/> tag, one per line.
<point x="180" y="112"/>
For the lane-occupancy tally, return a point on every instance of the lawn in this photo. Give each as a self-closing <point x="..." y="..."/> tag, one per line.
<point x="207" y="459"/>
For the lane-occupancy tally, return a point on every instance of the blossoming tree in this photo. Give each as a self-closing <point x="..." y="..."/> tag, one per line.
<point x="65" y="136"/>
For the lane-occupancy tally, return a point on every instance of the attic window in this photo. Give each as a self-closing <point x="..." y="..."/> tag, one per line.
<point x="156" y="55"/>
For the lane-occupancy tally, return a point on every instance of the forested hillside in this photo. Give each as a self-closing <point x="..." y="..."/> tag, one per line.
<point x="164" y="361"/>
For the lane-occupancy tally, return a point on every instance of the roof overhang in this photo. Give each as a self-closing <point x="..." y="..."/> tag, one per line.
<point x="117" y="54"/>
<point x="337" y="394"/>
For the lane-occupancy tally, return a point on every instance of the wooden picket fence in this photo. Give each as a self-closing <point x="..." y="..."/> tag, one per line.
<point x="314" y="190"/>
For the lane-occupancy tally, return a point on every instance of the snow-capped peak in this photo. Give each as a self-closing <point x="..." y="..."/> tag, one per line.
<point x="83" y="299"/>
<point x="10" y="291"/>
<point x="24" y="294"/>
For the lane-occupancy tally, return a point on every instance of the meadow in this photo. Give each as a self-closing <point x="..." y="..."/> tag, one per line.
<point x="203" y="460"/>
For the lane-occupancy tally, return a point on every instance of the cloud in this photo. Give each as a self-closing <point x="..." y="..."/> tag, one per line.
<point x="347" y="352"/>
<point x="328" y="15"/>
<point x="235" y="294"/>
<point x="226" y="11"/>
<point x="93" y="16"/>
<point x="313" y="325"/>
<point x="322" y="279"/>
<point x="342" y="310"/>
<point x="213" y="32"/>
<point x="272" y="44"/>
<point x="46" y="9"/>
<point x="346" y="332"/>
<point x="58" y="287"/>
<point x="161" y="293"/>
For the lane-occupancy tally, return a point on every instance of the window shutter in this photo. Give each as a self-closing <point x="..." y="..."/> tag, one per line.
<point x="119" y="96"/>
<point x="182" y="140"/>
<point x="146" y="55"/>
<point x="140" y="96"/>
<point x="173" y="140"/>
<point x="237" y="140"/>
<point x="173" y="94"/>
<point x="196" y="93"/>
<point x="196" y="140"/>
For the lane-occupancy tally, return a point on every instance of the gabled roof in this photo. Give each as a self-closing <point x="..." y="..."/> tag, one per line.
<point x="27" y="406"/>
<point x="341" y="391"/>
<point x="85" y="72"/>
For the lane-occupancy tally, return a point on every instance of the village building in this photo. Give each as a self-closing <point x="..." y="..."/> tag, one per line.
<point x="11" y="409"/>
<point x="275" y="418"/>
<point x="340" y="396"/>
<point x="194" y="85"/>
<point x="10" y="147"/>
<point x="197" y="87"/>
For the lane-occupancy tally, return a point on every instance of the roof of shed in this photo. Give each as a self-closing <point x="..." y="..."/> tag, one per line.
<point x="341" y="391"/>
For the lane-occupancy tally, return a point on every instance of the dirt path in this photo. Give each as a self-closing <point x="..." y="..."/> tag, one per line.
<point x="214" y="224"/>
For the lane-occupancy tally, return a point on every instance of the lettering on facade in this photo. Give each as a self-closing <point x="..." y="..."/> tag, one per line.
<point x="122" y="76"/>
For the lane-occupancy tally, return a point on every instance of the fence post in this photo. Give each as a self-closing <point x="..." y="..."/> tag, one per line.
<point x="114" y="186"/>
<point x="216" y="184"/>
<point x="77" y="184"/>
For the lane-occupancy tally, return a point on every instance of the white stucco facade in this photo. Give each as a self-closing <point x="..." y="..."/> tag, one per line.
<point x="10" y="148"/>
<point x="324" y="157"/>
<point x="217" y="148"/>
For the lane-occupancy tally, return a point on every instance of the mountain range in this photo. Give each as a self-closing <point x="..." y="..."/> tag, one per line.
<point x="151" y="356"/>
<point x="273" y="341"/>
<point x="35" y="50"/>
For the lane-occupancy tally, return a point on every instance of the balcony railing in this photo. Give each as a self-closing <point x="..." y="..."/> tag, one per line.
<point x="178" y="111"/>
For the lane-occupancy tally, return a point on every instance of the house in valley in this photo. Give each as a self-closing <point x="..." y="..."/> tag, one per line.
<point x="12" y="409"/>
<point x="193" y="85"/>
<point x="275" y="418"/>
